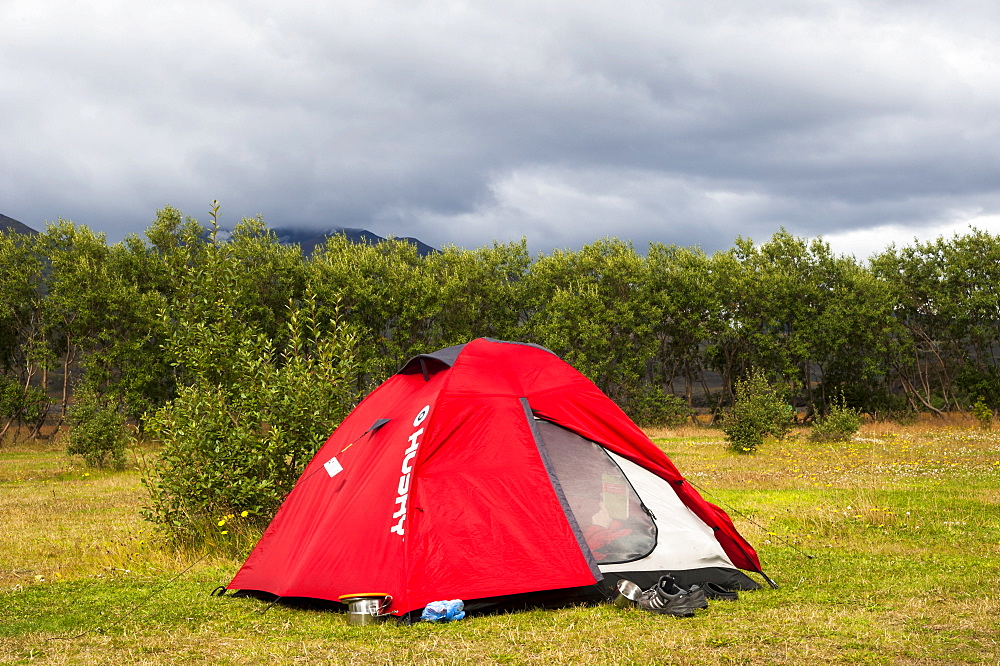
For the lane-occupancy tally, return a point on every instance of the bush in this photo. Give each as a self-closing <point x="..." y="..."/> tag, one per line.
<point x="21" y="404"/>
<point x="760" y="410"/>
<point x="237" y="447"/>
<point x="653" y="408"/>
<point x="838" y="425"/>
<point x="97" y="431"/>
<point x="982" y="413"/>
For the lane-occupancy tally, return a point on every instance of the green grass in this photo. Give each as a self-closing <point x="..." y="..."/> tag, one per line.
<point x="887" y="550"/>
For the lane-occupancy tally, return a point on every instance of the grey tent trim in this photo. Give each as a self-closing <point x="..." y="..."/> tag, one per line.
<point x="449" y="355"/>
<point x="375" y="426"/>
<point x="446" y="356"/>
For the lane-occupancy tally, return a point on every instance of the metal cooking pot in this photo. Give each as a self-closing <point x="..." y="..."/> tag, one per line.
<point x="365" y="609"/>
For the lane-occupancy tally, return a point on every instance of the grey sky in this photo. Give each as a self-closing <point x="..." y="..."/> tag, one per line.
<point x="461" y="122"/>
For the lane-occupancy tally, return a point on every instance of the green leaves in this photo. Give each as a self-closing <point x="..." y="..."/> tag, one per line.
<point x="595" y="309"/>
<point x="203" y="332"/>
<point x="818" y="321"/>
<point x="947" y="304"/>
<point x="837" y="425"/>
<point x="97" y="431"/>
<point x="760" y="410"/>
<point x="257" y="394"/>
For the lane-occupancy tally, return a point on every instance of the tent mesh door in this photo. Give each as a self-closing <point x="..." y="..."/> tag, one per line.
<point x="615" y="525"/>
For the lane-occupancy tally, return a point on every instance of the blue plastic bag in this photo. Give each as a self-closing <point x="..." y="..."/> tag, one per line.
<point x="444" y="611"/>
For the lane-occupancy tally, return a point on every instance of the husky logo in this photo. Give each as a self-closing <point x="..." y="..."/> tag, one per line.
<point x="403" y="488"/>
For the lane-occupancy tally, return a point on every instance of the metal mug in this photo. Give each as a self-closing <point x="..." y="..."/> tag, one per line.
<point x="628" y="594"/>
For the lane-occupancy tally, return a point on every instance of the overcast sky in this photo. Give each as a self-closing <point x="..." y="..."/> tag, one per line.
<point x="466" y="122"/>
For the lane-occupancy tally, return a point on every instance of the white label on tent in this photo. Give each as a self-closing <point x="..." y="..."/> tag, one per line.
<point x="333" y="467"/>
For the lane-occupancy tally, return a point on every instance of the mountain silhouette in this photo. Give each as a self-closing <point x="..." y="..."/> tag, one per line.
<point x="308" y="239"/>
<point x="10" y="224"/>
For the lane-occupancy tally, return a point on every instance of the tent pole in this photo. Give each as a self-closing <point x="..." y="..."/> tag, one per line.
<point x="774" y="586"/>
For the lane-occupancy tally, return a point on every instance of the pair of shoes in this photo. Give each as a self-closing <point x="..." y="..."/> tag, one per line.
<point x="716" y="591"/>
<point x="668" y="598"/>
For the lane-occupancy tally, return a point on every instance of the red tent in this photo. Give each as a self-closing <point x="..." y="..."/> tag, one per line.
<point x="487" y="470"/>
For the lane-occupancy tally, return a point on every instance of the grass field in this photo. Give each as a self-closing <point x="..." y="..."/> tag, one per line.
<point x="887" y="551"/>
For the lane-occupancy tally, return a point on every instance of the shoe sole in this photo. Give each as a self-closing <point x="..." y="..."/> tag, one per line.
<point x="676" y="612"/>
<point x="686" y="610"/>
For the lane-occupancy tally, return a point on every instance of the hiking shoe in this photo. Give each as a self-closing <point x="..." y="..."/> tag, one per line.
<point x="668" y="598"/>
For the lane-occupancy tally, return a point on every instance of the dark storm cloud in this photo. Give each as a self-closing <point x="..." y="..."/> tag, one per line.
<point x="467" y="122"/>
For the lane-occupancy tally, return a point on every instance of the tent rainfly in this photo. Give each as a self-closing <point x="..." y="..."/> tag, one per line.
<point x="496" y="473"/>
